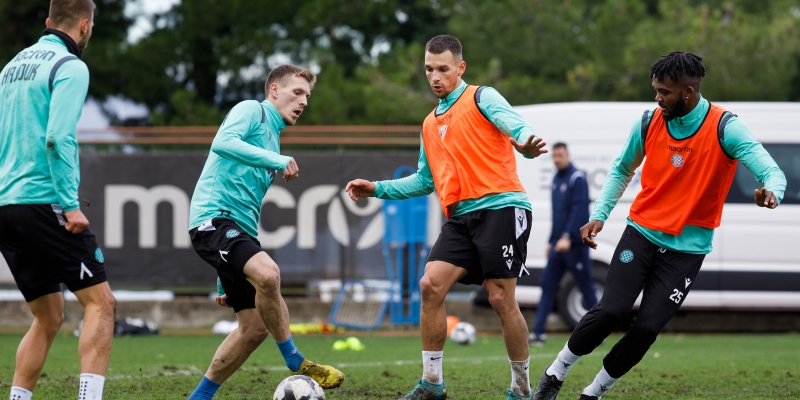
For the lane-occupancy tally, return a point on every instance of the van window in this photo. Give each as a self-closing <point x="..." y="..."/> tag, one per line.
<point x="788" y="158"/>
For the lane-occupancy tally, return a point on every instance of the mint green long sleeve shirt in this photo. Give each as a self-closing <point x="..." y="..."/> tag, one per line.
<point x="508" y="121"/>
<point x="42" y="91"/>
<point x="244" y="159"/>
<point x="739" y="143"/>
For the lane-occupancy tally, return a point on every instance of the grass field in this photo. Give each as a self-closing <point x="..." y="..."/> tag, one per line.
<point x="676" y="367"/>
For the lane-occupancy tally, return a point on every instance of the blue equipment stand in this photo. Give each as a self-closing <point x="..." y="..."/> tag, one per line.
<point x="405" y="251"/>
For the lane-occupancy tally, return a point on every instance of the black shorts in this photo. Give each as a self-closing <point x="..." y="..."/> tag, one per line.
<point x="638" y="265"/>
<point x="42" y="254"/>
<point x="226" y="246"/>
<point x="489" y="244"/>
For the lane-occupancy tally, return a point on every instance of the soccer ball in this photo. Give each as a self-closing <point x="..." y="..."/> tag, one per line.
<point x="463" y="333"/>
<point x="298" y="387"/>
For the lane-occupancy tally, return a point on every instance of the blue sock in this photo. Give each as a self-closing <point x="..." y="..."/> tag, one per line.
<point x="205" y="390"/>
<point x="291" y="355"/>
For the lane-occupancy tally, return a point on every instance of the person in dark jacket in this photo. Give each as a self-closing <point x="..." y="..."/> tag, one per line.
<point x="565" y="251"/>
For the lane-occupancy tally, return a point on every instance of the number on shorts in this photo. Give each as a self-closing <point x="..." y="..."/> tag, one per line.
<point x="676" y="296"/>
<point x="508" y="251"/>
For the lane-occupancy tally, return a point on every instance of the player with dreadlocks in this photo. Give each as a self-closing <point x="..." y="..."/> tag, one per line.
<point x="692" y="149"/>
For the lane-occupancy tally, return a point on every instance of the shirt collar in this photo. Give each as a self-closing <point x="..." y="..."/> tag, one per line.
<point x="695" y="116"/>
<point x="451" y="98"/>
<point x="274" y="116"/>
<point x="58" y="37"/>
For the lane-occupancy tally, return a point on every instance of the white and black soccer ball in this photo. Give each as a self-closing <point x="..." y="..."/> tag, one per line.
<point x="463" y="333"/>
<point x="298" y="387"/>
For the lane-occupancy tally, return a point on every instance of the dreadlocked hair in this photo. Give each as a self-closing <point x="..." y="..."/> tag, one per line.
<point x="676" y="65"/>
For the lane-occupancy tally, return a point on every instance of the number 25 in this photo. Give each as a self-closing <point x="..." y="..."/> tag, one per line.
<point x="676" y="296"/>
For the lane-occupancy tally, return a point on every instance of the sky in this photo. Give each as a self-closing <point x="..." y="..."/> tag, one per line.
<point x="142" y="9"/>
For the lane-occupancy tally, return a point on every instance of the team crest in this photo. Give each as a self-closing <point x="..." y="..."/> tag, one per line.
<point x="626" y="256"/>
<point x="442" y="130"/>
<point x="677" y="160"/>
<point x="232" y="233"/>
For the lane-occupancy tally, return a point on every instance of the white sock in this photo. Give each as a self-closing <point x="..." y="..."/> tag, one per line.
<point x="561" y="366"/>
<point x="601" y="384"/>
<point x="91" y="387"/>
<point x="520" y="378"/>
<point x="432" y="366"/>
<point x="18" y="393"/>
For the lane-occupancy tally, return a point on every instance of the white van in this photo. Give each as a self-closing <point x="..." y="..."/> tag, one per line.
<point x="755" y="264"/>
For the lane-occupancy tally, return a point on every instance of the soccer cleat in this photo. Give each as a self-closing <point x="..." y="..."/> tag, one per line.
<point x="327" y="376"/>
<point x="587" y="397"/>
<point x="427" y="391"/>
<point x="548" y="387"/>
<point x="536" y="340"/>
<point x="511" y="395"/>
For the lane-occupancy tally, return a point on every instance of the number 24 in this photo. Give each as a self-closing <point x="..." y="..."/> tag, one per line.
<point x="508" y="251"/>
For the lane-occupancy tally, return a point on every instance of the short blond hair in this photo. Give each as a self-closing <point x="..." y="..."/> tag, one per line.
<point x="279" y="75"/>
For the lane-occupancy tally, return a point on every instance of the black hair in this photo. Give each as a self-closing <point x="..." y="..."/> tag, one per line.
<point x="560" y="145"/>
<point x="442" y="43"/>
<point x="677" y="65"/>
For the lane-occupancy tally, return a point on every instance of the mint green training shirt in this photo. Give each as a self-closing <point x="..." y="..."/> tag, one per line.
<point x="244" y="159"/>
<point x="738" y="143"/>
<point x="508" y="121"/>
<point x="42" y="91"/>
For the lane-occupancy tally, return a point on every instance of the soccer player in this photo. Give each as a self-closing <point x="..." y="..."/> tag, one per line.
<point x="467" y="155"/>
<point x="225" y="209"/>
<point x="565" y="251"/>
<point x="692" y="149"/>
<point x="44" y="236"/>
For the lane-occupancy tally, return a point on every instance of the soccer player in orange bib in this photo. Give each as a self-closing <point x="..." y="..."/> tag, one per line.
<point x="692" y="149"/>
<point x="467" y="155"/>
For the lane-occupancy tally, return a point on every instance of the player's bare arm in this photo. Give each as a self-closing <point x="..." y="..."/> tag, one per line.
<point x="359" y="188"/>
<point x="532" y="147"/>
<point x="589" y="231"/>
<point x="765" y="198"/>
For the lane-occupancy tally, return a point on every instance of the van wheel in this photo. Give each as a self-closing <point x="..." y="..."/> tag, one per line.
<point x="570" y="300"/>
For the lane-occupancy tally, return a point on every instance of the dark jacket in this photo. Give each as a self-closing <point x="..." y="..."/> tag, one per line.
<point x="570" y="199"/>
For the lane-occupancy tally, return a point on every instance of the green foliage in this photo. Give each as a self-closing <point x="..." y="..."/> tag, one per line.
<point x="204" y="56"/>
<point x="187" y="110"/>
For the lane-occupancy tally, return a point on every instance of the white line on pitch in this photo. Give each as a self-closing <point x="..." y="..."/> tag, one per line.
<point x="192" y="370"/>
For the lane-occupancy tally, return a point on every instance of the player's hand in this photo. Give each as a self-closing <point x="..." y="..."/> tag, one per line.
<point x="765" y="198"/>
<point x="291" y="171"/>
<point x="221" y="300"/>
<point x="589" y="231"/>
<point x="359" y="188"/>
<point x="76" y="221"/>
<point x="563" y="245"/>
<point x="531" y="148"/>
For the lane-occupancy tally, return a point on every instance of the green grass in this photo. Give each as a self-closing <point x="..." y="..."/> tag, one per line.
<point x="676" y="367"/>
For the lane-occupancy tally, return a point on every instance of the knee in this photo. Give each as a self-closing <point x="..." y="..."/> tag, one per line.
<point x="502" y="301"/>
<point x="646" y="329"/>
<point x="430" y="290"/>
<point x="109" y="306"/>
<point x="267" y="278"/>
<point x="51" y="321"/>
<point x="611" y="313"/>
<point x="254" y="335"/>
